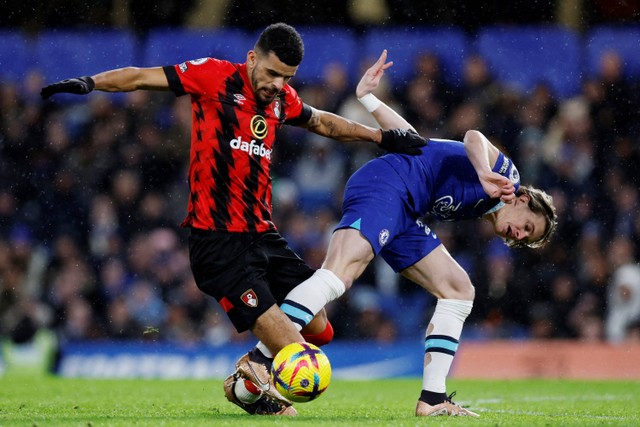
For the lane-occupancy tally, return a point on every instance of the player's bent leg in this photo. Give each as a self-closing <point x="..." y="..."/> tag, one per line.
<point x="348" y="255"/>
<point x="441" y="275"/>
<point x="274" y="329"/>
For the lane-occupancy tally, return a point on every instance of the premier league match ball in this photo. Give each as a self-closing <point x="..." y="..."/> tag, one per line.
<point x="301" y="372"/>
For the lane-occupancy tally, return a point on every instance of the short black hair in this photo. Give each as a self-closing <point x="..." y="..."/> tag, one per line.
<point x="283" y="40"/>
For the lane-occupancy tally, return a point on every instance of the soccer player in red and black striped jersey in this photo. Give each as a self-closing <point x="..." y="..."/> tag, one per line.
<point x="237" y="255"/>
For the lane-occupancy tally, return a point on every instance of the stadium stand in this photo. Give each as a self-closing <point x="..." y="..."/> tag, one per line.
<point x="325" y="45"/>
<point x="60" y="54"/>
<point x="15" y="55"/>
<point x="624" y="40"/>
<point x="170" y="46"/>
<point x="525" y="56"/>
<point x="405" y="44"/>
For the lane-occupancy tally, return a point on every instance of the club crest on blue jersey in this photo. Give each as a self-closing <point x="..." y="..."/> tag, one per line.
<point x="383" y="237"/>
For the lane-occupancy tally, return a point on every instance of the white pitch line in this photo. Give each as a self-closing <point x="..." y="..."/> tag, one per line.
<point x="605" y="397"/>
<point x="543" y="414"/>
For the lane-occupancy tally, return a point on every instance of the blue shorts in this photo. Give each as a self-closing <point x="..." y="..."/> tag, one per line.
<point x="377" y="203"/>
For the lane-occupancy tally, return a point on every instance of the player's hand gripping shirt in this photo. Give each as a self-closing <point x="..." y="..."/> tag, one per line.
<point x="232" y="140"/>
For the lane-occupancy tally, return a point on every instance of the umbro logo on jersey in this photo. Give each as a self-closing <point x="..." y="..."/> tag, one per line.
<point x="239" y="98"/>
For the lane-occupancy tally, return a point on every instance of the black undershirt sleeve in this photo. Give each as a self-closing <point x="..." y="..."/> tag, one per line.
<point x="304" y="116"/>
<point x="174" y="81"/>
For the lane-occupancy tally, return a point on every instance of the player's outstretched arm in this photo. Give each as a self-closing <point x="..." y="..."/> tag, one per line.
<point x="119" y="80"/>
<point x="483" y="154"/>
<point x="337" y="127"/>
<point x="386" y="117"/>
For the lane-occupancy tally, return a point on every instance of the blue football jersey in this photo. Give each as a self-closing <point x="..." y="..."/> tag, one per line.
<point x="442" y="182"/>
<point x="391" y="198"/>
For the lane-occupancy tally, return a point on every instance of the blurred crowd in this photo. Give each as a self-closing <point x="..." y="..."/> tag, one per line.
<point x="92" y="190"/>
<point x="141" y="16"/>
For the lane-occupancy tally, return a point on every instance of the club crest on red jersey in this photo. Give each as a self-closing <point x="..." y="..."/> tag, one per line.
<point x="276" y="107"/>
<point x="250" y="298"/>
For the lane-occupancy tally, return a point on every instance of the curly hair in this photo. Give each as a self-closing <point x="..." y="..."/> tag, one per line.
<point x="539" y="203"/>
<point x="283" y="40"/>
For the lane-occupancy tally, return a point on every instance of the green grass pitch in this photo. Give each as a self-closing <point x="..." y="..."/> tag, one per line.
<point x="55" y="401"/>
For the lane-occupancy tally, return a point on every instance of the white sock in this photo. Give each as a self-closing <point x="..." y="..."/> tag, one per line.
<point x="263" y="348"/>
<point x="441" y="342"/>
<point x="307" y="299"/>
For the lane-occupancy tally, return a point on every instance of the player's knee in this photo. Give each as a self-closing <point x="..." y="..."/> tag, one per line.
<point x="470" y="292"/>
<point x="348" y="281"/>
<point x="460" y="288"/>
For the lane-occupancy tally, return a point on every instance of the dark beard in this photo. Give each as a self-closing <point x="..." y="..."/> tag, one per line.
<point x="259" y="101"/>
<point x="254" y="84"/>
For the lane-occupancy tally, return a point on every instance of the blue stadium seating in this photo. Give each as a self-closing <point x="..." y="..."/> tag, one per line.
<point x="624" y="40"/>
<point x="524" y="56"/>
<point x="64" y="54"/>
<point x="324" y="45"/>
<point x="173" y="46"/>
<point x="15" y="55"/>
<point x="404" y="44"/>
<point x="519" y="56"/>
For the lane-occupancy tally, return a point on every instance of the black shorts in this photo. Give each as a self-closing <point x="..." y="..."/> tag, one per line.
<point x="245" y="272"/>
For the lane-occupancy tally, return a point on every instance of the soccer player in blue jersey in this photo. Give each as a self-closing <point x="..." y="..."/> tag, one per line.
<point x="387" y="205"/>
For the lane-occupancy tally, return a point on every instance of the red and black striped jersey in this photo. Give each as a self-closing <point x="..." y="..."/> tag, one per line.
<point x="232" y="139"/>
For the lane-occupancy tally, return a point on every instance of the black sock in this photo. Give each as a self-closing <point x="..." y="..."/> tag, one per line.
<point x="432" y="398"/>
<point x="257" y="356"/>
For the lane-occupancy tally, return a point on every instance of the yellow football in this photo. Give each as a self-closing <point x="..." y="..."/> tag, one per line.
<point x="301" y="372"/>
